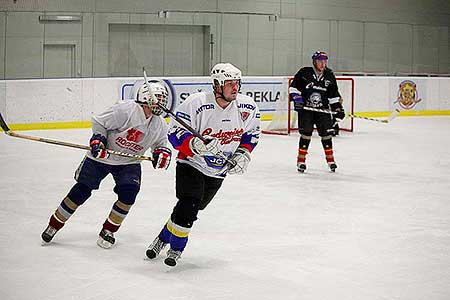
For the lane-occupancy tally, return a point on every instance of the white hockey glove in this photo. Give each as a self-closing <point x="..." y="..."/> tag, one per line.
<point x="210" y="148"/>
<point x="161" y="158"/>
<point x="239" y="162"/>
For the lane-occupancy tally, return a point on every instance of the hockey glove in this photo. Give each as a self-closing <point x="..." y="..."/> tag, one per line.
<point x="97" y="144"/>
<point x="298" y="101"/>
<point x="239" y="162"/>
<point x="340" y="114"/>
<point x="210" y="148"/>
<point x="161" y="158"/>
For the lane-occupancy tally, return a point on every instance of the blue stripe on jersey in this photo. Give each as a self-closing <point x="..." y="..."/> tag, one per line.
<point x="183" y="115"/>
<point x="177" y="137"/>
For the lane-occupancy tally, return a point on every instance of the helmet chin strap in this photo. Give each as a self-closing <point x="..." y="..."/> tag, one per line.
<point x="221" y="95"/>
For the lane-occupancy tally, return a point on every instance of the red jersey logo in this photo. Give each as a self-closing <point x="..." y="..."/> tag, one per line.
<point x="134" y="135"/>
<point x="244" y="115"/>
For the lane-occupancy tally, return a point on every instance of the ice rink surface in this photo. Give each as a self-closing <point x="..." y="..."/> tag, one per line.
<point x="379" y="228"/>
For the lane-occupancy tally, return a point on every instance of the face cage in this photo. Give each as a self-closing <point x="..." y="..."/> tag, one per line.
<point x="156" y="110"/>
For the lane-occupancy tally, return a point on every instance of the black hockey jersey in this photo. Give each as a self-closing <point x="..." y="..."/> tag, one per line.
<point x="318" y="91"/>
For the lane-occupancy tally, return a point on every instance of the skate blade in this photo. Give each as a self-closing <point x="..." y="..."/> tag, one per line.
<point x="103" y="244"/>
<point x="44" y="243"/>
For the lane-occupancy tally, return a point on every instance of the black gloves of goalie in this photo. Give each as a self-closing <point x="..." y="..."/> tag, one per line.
<point x="98" y="145"/>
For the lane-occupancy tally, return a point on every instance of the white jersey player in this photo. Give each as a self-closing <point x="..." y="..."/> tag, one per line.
<point x="230" y="123"/>
<point x="129" y="127"/>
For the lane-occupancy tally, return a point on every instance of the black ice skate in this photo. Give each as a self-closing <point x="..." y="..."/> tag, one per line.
<point x="48" y="234"/>
<point x="155" y="248"/>
<point x="172" y="257"/>
<point x="301" y="167"/>
<point x="106" y="239"/>
<point x="332" y="166"/>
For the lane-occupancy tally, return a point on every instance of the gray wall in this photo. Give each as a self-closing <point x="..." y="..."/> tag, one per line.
<point x="403" y="36"/>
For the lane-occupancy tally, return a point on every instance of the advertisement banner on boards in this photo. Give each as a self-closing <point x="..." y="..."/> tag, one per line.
<point x="265" y="92"/>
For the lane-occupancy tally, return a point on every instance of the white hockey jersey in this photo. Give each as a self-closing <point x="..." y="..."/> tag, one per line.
<point x="128" y="130"/>
<point x="237" y="125"/>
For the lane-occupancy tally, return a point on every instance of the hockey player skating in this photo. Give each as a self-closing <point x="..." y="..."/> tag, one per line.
<point x="316" y="87"/>
<point x="231" y="124"/>
<point x="130" y="127"/>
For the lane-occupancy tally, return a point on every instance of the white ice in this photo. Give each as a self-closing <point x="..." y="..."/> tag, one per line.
<point x="379" y="228"/>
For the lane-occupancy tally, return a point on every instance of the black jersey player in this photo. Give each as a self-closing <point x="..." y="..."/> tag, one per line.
<point x="316" y="87"/>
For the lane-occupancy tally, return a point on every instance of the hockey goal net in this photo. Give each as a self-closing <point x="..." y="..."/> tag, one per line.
<point x="285" y="118"/>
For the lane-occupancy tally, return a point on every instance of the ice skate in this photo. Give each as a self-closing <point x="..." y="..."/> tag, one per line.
<point x="48" y="235"/>
<point x="106" y="239"/>
<point x="172" y="257"/>
<point x="332" y="166"/>
<point x="301" y="167"/>
<point x="155" y="248"/>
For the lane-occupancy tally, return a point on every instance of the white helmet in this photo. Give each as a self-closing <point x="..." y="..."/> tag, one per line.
<point x="225" y="71"/>
<point x="143" y="96"/>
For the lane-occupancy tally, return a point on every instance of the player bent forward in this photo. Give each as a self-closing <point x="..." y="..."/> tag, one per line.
<point x="231" y="123"/>
<point x="130" y="127"/>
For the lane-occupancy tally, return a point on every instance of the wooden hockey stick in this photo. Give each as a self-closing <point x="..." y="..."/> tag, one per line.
<point x="9" y="132"/>
<point x="389" y="118"/>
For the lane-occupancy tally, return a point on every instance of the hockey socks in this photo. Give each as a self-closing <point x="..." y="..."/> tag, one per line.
<point x="173" y="234"/>
<point x="302" y="151"/>
<point x="178" y="235"/>
<point x="327" y="144"/>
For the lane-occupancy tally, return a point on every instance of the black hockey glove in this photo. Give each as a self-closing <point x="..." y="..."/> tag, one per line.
<point x="340" y="114"/>
<point x="97" y="144"/>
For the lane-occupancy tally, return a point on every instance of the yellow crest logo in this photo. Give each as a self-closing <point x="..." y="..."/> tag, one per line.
<point x="407" y="96"/>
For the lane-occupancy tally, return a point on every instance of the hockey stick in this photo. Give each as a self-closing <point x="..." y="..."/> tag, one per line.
<point x="180" y="121"/>
<point x="174" y="116"/>
<point x="9" y="132"/>
<point x="389" y="118"/>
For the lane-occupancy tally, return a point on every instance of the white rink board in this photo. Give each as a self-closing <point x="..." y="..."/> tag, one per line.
<point x="59" y="100"/>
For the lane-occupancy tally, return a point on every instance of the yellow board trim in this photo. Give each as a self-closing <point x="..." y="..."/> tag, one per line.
<point x="404" y="113"/>
<point x="52" y="125"/>
<point x="268" y="117"/>
<point x="378" y="114"/>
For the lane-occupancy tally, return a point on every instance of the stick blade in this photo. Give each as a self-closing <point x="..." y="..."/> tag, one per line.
<point x="3" y="124"/>
<point x="393" y="115"/>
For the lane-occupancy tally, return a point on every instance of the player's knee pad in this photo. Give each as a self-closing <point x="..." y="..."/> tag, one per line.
<point x="185" y="212"/>
<point x="323" y="132"/>
<point x="305" y="134"/>
<point x="127" y="193"/>
<point x="79" y="193"/>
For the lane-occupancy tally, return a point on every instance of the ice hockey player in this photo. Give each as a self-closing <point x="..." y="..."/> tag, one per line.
<point x="130" y="127"/>
<point x="230" y="122"/>
<point x="316" y="87"/>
